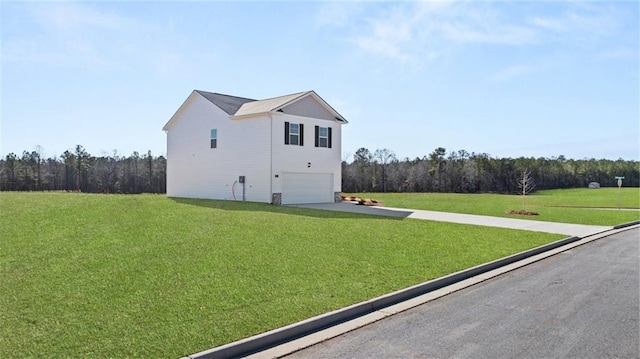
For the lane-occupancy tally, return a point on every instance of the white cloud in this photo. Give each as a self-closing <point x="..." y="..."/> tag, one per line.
<point x="338" y="13"/>
<point x="388" y="39"/>
<point x="414" y="30"/>
<point x="583" y="21"/>
<point x="479" y="23"/>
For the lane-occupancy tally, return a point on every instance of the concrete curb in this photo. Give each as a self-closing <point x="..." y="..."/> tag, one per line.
<point x="624" y="225"/>
<point x="373" y="308"/>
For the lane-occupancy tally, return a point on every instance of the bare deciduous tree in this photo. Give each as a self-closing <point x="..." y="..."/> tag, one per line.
<point x="526" y="185"/>
<point x="385" y="156"/>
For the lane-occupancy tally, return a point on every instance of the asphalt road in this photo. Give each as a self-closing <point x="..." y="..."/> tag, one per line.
<point x="582" y="303"/>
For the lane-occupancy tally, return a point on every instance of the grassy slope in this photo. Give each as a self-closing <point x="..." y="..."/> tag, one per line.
<point x="121" y="276"/>
<point x="553" y="206"/>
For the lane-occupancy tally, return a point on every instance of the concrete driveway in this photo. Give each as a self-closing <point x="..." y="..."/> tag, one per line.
<point x="577" y="230"/>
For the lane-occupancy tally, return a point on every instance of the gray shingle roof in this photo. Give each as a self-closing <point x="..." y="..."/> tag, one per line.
<point x="228" y="104"/>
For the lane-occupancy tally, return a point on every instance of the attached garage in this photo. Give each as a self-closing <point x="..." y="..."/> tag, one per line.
<point x="307" y="188"/>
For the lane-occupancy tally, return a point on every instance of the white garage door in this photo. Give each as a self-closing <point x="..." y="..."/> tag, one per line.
<point x="307" y="188"/>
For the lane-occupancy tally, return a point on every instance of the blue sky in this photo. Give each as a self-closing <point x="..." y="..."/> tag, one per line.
<point x="509" y="79"/>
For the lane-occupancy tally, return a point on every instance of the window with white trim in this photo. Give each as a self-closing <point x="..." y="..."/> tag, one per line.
<point x="293" y="134"/>
<point x="214" y="138"/>
<point x="323" y="137"/>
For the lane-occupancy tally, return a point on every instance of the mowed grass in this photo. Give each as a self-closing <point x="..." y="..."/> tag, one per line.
<point x="88" y="275"/>
<point x="579" y="206"/>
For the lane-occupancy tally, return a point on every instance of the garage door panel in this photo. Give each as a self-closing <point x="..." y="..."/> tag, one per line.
<point x="307" y="188"/>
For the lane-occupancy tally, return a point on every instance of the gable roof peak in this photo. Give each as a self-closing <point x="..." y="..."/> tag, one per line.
<point x="222" y="94"/>
<point x="289" y="95"/>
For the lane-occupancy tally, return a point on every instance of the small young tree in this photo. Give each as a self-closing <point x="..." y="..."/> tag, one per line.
<point x="526" y="185"/>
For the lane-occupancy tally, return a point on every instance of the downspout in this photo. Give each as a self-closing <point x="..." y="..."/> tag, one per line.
<point x="271" y="158"/>
<point x="166" y="169"/>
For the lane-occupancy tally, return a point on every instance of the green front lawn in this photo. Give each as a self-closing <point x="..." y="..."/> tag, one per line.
<point x="88" y="275"/>
<point x="580" y="206"/>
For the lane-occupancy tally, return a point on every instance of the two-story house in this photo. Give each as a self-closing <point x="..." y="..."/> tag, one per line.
<point x="282" y="150"/>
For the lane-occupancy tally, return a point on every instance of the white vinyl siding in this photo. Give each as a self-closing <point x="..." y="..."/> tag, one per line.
<point x="306" y="159"/>
<point x="196" y="171"/>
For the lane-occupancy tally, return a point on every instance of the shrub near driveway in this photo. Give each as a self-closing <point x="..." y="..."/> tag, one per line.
<point x="579" y="206"/>
<point x="144" y="275"/>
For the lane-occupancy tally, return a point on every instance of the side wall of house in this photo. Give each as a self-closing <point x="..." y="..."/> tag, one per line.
<point x="195" y="170"/>
<point x="306" y="159"/>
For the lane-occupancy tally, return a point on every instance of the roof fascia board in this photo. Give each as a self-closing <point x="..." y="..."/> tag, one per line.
<point x="302" y="95"/>
<point x="173" y="118"/>
<point x="250" y="115"/>
<point x="300" y="118"/>
<point x="335" y="113"/>
<point x="277" y="114"/>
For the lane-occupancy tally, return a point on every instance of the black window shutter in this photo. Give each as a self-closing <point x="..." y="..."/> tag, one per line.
<point x="301" y="126"/>
<point x="317" y="135"/>
<point x="286" y="133"/>
<point x="329" y="137"/>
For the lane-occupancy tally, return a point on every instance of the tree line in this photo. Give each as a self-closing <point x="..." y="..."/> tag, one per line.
<point x="77" y="170"/>
<point x="377" y="171"/>
<point x="464" y="172"/>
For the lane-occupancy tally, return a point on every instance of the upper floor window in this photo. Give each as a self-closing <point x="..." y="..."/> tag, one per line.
<point x="323" y="137"/>
<point x="214" y="138"/>
<point x="293" y="134"/>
